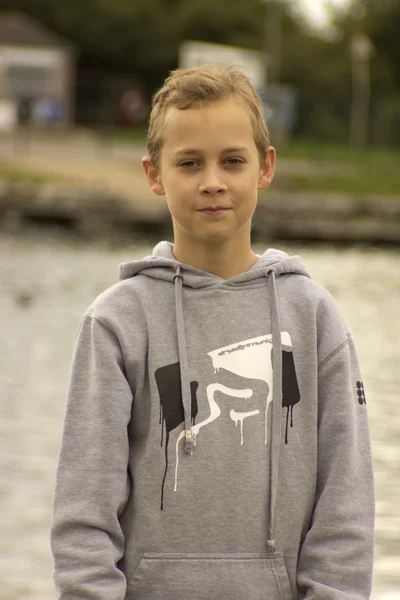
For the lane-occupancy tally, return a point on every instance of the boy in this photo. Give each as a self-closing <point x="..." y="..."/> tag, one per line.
<point x="216" y="442"/>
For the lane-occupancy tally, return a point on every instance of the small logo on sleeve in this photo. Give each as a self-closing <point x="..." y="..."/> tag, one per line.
<point x="361" y="393"/>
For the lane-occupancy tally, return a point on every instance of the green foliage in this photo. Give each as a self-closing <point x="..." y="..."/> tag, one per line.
<point x="380" y="21"/>
<point x="143" y="37"/>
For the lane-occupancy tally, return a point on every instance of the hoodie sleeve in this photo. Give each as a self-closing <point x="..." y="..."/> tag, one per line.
<point x="336" y="558"/>
<point x="92" y="480"/>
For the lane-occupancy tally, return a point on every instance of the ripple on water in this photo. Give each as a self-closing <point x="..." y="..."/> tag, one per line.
<point x="46" y="284"/>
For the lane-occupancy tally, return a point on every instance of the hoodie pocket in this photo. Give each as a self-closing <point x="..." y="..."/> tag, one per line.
<point x="210" y="577"/>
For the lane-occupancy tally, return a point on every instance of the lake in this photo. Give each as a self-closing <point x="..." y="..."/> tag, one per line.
<point x="49" y="277"/>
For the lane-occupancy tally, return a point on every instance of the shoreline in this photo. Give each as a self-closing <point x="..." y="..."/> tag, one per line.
<point x="319" y="217"/>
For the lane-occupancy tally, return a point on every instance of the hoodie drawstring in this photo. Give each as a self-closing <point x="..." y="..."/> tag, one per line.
<point x="275" y="438"/>
<point x="184" y="363"/>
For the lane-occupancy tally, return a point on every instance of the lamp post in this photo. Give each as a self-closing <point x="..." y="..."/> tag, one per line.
<point x="272" y="40"/>
<point x="362" y="51"/>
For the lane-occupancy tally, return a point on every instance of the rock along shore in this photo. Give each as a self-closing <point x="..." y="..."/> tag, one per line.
<point x="300" y="216"/>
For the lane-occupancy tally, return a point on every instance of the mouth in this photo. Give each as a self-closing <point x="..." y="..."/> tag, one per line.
<point x="214" y="210"/>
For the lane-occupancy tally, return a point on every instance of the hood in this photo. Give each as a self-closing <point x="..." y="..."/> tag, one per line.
<point x="163" y="265"/>
<point x="273" y="263"/>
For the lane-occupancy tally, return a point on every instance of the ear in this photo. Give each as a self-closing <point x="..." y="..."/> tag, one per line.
<point x="152" y="176"/>
<point x="267" y="169"/>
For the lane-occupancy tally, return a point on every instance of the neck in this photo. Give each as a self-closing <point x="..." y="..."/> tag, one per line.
<point x="224" y="260"/>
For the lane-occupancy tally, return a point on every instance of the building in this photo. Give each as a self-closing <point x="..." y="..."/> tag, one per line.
<point x="37" y="72"/>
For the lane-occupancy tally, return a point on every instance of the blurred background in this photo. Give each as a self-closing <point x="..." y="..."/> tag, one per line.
<point x="76" y="81"/>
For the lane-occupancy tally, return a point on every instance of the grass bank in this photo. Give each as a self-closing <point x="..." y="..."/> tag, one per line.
<point x="339" y="168"/>
<point x="303" y="166"/>
<point x="13" y="173"/>
<point x="316" y="167"/>
<point x="363" y="182"/>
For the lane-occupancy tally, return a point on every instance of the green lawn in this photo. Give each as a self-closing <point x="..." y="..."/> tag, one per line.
<point x="364" y="182"/>
<point x="372" y="156"/>
<point x="305" y="167"/>
<point x="339" y="168"/>
<point x="296" y="148"/>
<point x="330" y="167"/>
<point x="11" y="174"/>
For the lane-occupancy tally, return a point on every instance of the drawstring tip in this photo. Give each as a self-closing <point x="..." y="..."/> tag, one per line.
<point x="270" y="541"/>
<point x="189" y="442"/>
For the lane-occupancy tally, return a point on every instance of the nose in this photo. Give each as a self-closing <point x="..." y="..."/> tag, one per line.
<point x="211" y="182"/>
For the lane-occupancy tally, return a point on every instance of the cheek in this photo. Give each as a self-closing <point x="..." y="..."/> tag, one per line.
<point x="178" y="188"/>
<point x="248" y="187"/>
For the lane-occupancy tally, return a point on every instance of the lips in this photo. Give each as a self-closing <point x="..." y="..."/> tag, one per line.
<point x="214" y="208"/>
<point x="215" y="212"/>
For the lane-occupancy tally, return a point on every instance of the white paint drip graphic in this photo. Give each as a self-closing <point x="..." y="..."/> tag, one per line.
<point x="240" y="416"/>
<point x="250" y="359"/>
<point x="215" y="411"/>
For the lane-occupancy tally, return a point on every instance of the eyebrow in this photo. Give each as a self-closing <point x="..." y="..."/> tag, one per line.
<point x="192" y="151"/>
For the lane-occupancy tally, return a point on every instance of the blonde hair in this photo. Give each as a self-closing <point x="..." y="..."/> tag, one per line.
<point x="185" y="88"/>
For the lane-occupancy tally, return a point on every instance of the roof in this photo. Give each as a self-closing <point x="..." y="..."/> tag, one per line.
<point x="18" y="29"/>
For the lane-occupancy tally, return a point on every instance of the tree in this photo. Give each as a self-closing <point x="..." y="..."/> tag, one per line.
<point x="380" y="20"/>
<point x="142" y="37"/>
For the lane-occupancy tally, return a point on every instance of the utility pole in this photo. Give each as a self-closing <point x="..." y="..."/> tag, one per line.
<point x="272" y="42"/>
<point x="362" y="51"/>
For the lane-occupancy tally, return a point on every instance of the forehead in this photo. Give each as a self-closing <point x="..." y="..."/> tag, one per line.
<point x="225" y="120"/>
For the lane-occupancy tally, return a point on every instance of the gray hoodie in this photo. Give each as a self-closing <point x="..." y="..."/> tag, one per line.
<point x="215" y="442"/>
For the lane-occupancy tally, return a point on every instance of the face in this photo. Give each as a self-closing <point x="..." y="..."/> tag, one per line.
<point x="210" y="173"/>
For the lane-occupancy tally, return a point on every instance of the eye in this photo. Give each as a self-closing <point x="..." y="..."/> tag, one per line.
<point x="233" y="162"/>
<point x="188" y="164"/>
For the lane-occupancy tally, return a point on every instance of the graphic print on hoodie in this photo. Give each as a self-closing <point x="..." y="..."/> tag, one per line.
<point x="251" y="362"/>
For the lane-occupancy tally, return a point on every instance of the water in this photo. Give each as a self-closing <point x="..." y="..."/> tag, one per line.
<point x="48" y="279"/>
